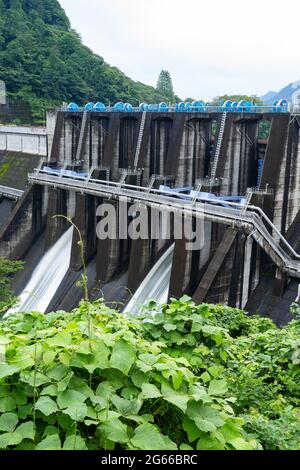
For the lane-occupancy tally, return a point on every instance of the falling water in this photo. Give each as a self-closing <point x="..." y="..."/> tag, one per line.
<point x="46" y="277"/>
<point x="156" y="284"/>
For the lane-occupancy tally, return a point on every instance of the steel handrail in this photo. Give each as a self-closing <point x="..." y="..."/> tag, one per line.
<point x="235" y="213"/>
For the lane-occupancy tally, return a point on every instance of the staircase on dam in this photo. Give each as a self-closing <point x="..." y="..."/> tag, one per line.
<point x="218" y="147"/>
<point x="139" y="141"/>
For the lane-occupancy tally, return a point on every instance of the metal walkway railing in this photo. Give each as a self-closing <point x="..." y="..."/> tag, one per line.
<point x="254" y="221"/>
<point x="11" y="193"/>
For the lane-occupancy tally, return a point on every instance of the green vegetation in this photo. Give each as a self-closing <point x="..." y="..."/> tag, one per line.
<point x="44" y="63"/>
<point x="7" y="268"/>
<point x="246" y="357"/>
<point x="24" y="163"/>
<point x="181" y="376"/>
<point x="252" y="98"/>
<point x="165" y="85"/>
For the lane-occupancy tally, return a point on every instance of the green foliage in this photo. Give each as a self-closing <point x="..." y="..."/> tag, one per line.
<point x="252" y="98"/>
<point x="264" y="128"/>
<point x="73" y="382"/>
<point x="7" y="268"/>
<point x="44" y="63"/>
<point x="165" y="85"/>
<point x="240" y="356"/>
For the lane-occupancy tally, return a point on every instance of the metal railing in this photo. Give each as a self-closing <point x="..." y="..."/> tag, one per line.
<point x="11" y="193"/>
<point x="204" y="109"/>
<point x="254" y="219"/>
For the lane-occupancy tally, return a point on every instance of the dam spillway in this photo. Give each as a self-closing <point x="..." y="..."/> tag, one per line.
<point x="47" y="277"/>
<point x="215" y="152"/>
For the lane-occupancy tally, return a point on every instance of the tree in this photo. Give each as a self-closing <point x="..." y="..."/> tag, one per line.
<point x="7" y="298"/>
<point x="165" y="85"/>
<point x="221" y="99"/>
<point x="44" y="63"/>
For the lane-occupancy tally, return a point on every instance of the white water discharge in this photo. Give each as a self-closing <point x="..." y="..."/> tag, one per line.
<point x="156" y="284"/>
<point x="46" y="277"/>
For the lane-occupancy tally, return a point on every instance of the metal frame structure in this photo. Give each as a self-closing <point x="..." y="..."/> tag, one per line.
<point x="251" y="219"/>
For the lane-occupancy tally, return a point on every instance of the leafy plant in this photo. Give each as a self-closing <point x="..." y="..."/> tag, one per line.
<point x="60" y="388"/>
<point x="237" y="355"/>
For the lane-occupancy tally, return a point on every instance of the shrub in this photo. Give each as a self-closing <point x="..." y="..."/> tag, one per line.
<point x="91" y="380"/>
<point x="247" y="357"/>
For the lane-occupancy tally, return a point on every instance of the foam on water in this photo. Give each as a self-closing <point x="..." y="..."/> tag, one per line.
<point x="156" y="284"/>
<point x="46" y="277"/>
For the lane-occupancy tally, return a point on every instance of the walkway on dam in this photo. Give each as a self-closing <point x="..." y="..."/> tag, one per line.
<point x="248" y="218"/>
<point x="11" y="193"/>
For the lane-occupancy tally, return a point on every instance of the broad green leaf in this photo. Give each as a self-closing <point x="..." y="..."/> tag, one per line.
<point x="185" y="447"/>
<point x="176" y="398"/>
<point x="64" y="358"/>
<point x="63" y="384"/>
<point x="147" y="437"/>
<point x="24" y="411"/>
<point x="48" y="357"/>
<point x="104" y="390"/>
<point x="46" y="405"/>
<point x="60" y="339"/>
<point x="217" y="387"/>
<point x="81" y="386"/>
<point x="230" y="431"/>
<point x="199" y="393"/>
<point x="177" y="378"/>
<point x="74" y="442"/>
<point x="139" y="378"/>
<point x="115" y="378"/>
<point x="114" y="430"/>
<point x="123" y="356"/>
<point x="7" y="370"/>
<point x="215" y="371"/>
<point x="205" y="412"/>
<point x="170" y="327"/>
<point x="7" y="404"/>
<point x="8" y="422"/>
<point x="10" y="439"/>
<point x="84" y="347"/>
<point x="50" y="443"/>
<point x="98" y="360"/>
<point x="23" y="358"/>
<point x="126" y="407"/>
<point x="50" y="390"/>
<point x="191" y="429"/>
<point x="4" y="390"/>
<point x="70" y="397"/>
<point x="4" y="341"/>
<point x="49" y="431"/>
<point x="30" y="378"/>
<point x="240" y="444"/>
<point x="204" y="425"/>
<point x="19" y="396"/>
<point x="150" y="391"/>
<point x="76" y="411"/>
<point x="58" y="372"/>
<point x="26" y="430"/>
<point x="209" y="443"/>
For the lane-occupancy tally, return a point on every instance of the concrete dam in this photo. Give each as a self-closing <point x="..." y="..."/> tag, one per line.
<point x="192" y="162"/>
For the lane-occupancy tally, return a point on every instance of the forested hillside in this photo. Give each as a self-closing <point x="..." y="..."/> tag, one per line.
<point x="43" y="61"/>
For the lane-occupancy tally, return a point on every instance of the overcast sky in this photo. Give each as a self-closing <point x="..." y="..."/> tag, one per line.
<point x="210" y="47"/>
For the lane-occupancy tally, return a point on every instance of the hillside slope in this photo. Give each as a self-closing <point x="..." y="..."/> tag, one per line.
<point x="43" y="61"/>
<point x="286" y="93"/>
